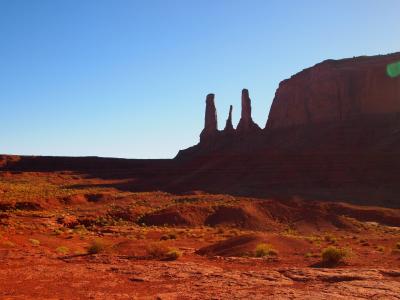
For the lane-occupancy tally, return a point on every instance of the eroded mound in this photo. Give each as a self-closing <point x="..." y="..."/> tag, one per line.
<point x="178" y="215"/>
<point x="246" y="216"/>
<point x="246" y="245"/>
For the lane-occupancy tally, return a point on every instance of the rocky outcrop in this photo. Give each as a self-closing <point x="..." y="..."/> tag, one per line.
<point x="210" y="122"/>
<point x="246" y="123"/>
<point x="335" y="91"/>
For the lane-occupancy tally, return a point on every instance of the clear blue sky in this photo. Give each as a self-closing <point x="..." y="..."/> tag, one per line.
<point x="129" y="78"/>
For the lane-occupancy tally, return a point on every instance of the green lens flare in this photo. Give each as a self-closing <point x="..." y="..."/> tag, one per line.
<point x="393" y="70"/>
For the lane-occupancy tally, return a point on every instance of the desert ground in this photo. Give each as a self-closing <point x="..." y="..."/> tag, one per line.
<point x="69" y="235"/>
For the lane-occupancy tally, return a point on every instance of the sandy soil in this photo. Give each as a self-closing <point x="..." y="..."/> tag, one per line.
<point x="65" y="235"/>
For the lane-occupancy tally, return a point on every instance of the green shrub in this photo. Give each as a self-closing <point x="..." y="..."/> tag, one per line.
<point x="333" y="255"/>
<point x="265" y="250"/>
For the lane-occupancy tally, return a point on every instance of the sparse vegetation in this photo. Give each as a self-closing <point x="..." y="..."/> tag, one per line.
<point x="97" y="246"/>
<point x="310" y="255"/>
<point x="161" y="251"/>
<point x="62" y="250"/>
<point x="169" y="236"/>
<point x="396" y="248"/>
<point x="263" y="250"/>
<point x="8" y="244"/>
<point x="34" y="242"/>
<point x="157" y="250"/>
<point x="173" y="254"/>
<point x="331" y="239"/>
<point x="333" y="255"/>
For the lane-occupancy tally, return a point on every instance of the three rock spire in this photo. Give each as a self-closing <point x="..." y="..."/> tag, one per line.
<point x="246" y="123"/>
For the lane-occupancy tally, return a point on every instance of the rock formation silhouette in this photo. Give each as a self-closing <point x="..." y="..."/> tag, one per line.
<point x="210" y="121"/>
<point x="229" y="126"/>
<point x="246" y="123"/>
<point x="335" y="106"/>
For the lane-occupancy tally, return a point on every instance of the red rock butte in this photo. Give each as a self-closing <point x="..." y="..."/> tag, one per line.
<point x="330" y="92"/>
<point x="334" y="92"/>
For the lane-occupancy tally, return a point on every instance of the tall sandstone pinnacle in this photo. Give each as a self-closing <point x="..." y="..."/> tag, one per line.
<point x="210" y="121"/>
<point x="246" y="123"/>
<point x="229" y="125"/>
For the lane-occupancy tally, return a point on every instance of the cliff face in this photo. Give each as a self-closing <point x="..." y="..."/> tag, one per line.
<point x="334" y="91"/>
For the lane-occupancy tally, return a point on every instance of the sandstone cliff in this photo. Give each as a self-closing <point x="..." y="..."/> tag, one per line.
<point x="336" y="90"/>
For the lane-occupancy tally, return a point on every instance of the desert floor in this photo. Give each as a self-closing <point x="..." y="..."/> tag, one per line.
<point x="65" y="235"/>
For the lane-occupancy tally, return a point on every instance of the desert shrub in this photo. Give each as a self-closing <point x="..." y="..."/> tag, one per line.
<point x="80" y="229"/>
<point x="96" y="246"/>
<point x="173" y="254"/>
<point x="311" y="255"/>
<point x="330" y="239"/>
<point x="333" y="255"/>
<point x="169" y="236"/>
<point x="290" y="231"/>
<point x="8" y="244"/>
<point x="162" y="251"/>
<point x="62" y="250"/>
<point x="34" y="242"/>
<point x="157" y="250"/>
<point x="265" y="250"/>
<point x="396" y="248"/>
<point x="57" y="231"/>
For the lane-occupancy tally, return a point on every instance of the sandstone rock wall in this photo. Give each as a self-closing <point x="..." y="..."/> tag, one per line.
<point x="336" y="90"/>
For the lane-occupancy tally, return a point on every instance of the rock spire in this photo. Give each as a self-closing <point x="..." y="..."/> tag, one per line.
<point x="229" y="126"/>
<point x="246" y="123"/>
<point x="210" y="120"/>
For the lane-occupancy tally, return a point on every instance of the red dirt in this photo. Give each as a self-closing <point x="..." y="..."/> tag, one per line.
<point x="44" y="245"/>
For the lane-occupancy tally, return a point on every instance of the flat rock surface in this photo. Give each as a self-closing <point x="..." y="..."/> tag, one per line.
<point x="32" y="276"/>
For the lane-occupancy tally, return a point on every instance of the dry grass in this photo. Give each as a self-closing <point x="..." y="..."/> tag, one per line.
<point x="161" y="251"/>
<point x="263" y="250"/>
<point x="97" y="246"/>
<point x="333" y="256"/>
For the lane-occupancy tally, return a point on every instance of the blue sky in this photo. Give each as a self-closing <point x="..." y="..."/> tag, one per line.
<point x="129" y="78"/>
